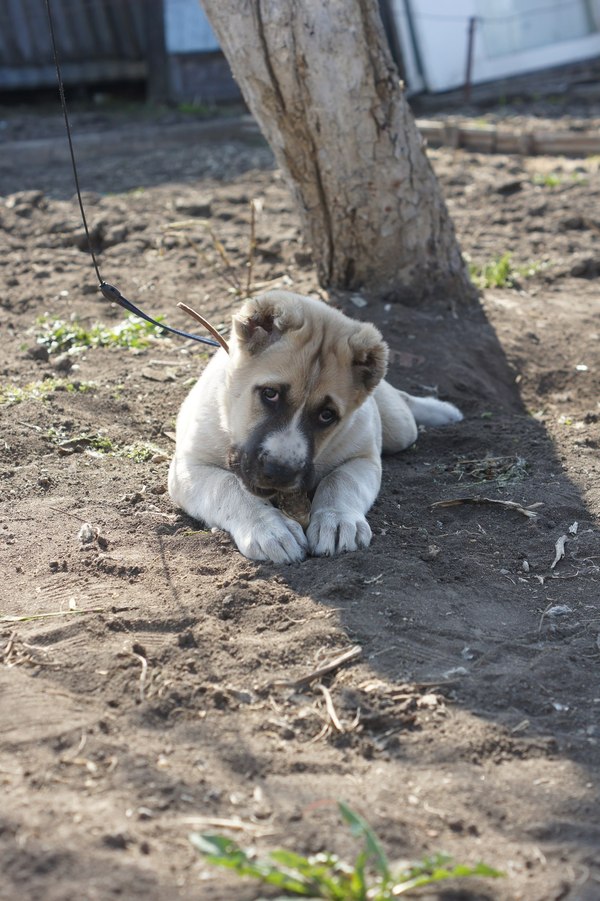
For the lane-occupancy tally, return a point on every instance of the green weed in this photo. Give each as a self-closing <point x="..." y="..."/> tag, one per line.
<point x="138" y="452"/>
<point x="500" y="272"/>
<point x="556" y="179"/>
<point x="102" y="444"/>
<point x="59" y="335"/>
<point x="496" y="274"/>
<point x="547" y="179"/>
<point x="325" y="876"/>
<point x="201" y="110"/>
<point x="16" y="394"/>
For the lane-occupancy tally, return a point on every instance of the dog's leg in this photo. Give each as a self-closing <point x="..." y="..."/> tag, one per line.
<point x="401" y="413"/>
<point x="337" y="520"/>
<point x="217" y="497"/>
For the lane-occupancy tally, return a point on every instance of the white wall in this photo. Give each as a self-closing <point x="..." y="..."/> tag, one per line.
<point x="505" y="42"/>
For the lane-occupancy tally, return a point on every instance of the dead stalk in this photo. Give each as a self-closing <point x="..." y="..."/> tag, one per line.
<point x="329" y="706"/>
<point x="143" y="674"/>
<point x="336" y="663"/>
<point x="529" y="511"/>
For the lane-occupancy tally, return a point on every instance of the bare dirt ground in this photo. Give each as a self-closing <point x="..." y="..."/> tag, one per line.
<point x="141" y="659"/>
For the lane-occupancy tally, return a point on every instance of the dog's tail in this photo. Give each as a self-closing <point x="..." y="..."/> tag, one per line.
<point x="431" y="411"/>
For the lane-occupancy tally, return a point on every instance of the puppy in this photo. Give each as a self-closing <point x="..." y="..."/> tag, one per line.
<point x="297" y="409"/>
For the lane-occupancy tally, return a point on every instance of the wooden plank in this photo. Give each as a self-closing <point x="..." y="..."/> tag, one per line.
<point x="490" y="139"/>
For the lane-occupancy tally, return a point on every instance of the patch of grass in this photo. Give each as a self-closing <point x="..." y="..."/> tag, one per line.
<point x="17" y="394"/>
<point x="201" y="110"/>
<point x="60" y="335"/>
<point x="500" y="272"/>
<point x="556" y="179"/>
<point x="547" y="179"/>
<point x="496" y="274"/>
<point x="532" y="268"/>
<point x="325" y="876"/>
<point x="139" y="452"/>
<point x="102" y="444"/>
<point x="95" y="441"/>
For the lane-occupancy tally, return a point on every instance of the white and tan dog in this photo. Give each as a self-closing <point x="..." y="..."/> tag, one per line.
<point x="298" y="406"/>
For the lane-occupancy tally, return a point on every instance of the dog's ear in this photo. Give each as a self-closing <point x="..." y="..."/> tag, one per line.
<point x="369" y="356"/>
<point x="263" y="320"/>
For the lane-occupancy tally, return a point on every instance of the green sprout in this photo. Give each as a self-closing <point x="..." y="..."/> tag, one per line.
<point x="325" y="876"/>
<point x="100" y="443"/>
<point x="500" y="272"/>
<point x="496" y="274"/>
<point x="59" y="335"/>
<point x="547" y="179"/>
<point x="17" y="394"/>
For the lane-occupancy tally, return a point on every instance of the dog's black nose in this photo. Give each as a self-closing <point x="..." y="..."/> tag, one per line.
<point x="277" y="473"/>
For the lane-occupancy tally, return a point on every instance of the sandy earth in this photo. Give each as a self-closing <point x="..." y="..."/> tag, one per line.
<point x="142" y="658"/>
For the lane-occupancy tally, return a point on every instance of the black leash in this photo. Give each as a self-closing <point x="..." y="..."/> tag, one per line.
<point x="108" y="291"/>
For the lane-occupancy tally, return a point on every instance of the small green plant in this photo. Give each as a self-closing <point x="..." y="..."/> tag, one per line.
<point x="547" y="179"/>
<point x="139" y="452"/>
<point x="500" y="272"/>
<point x="555" y="179"/>
<point x="16" y="394"/>
<point x="496" y="274"/>
<point x="60" y="335"/>
<point x="201" y="110"/>
<point x="325" y="876"/>
<point x="103" y="444"/>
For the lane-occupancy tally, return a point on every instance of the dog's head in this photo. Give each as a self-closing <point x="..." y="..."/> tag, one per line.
<point x="298" y="370"/>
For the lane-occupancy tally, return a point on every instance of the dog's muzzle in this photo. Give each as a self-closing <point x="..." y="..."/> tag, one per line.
<point x="264" y="475"/>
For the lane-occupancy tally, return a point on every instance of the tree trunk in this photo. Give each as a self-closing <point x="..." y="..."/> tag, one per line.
<point x="319" y="79"/>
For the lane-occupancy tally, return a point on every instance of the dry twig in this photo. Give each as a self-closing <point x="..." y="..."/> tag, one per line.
<point x="204" y="322"/>
<point x="336" y="663"/>
<point x="529" y="511"/>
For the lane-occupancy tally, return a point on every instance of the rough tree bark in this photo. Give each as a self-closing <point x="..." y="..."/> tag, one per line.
<point x="319" y="79"/>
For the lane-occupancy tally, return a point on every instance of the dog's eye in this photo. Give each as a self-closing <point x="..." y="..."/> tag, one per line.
<point x="270" y="395"/>
<point x="327" y="416"/>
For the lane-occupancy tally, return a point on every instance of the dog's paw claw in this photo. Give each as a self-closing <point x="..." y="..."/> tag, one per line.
<point x="332" y="532"/>
<point x="276" y="540"/>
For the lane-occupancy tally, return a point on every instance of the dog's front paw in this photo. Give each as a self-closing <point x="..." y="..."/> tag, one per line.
<point x="272" y="537"/>
<point x="334" y="532"/>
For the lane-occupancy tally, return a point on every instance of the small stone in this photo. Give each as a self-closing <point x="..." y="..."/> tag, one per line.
<point x="87" y="533"/>
<point x="587" y="268"/>
<point x="117" y="840"/>
<point x="194" y="206"/>
<point x="24" y="200"/>
<point x="38" y="352"/>
<point x="510" y="187"/>
<point x="186" y="639"/>
<point x="431" y="553"/>
<point x="63" y="363"/>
